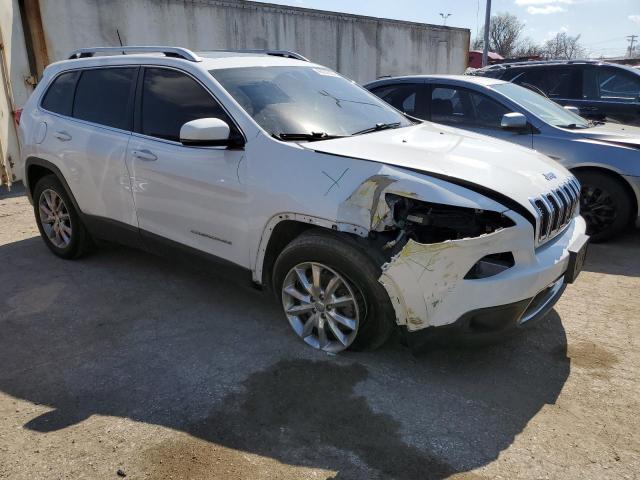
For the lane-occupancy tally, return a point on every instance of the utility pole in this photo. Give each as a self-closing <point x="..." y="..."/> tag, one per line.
<point x="632" y="40"/>
<point x="487" y="22"/>
<point x="444" y="18"/>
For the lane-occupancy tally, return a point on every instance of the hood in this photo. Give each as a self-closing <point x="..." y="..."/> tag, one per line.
<point x="511" y="170"/>
<point x="623" y="135"/>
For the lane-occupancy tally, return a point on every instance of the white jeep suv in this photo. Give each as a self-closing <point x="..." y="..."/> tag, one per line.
<point x="359" y="218"/>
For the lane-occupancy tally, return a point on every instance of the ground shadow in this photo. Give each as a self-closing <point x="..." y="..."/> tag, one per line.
<point x="16" y="190"/>
<point x="122" y="333"/>
<point x="616" y="257"/>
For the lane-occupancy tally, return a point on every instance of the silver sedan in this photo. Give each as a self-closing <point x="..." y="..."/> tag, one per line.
<point x="604" y="156"/>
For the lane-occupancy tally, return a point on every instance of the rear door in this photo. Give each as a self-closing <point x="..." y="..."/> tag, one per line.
<point x="190" y="195"/>
<point x="86" y="127"/>
<point x="472" y="110"/>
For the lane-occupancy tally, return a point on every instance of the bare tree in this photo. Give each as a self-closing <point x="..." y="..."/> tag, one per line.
<point x="528" y="48"/>
<point x="505" y="38"/>
<point x="563" y="47"/>
<point x="504" y="33"/>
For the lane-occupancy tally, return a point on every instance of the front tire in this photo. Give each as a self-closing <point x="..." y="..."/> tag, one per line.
<point x="330" y="293"/>
<point x="58" y="221"/>
<point x="604" y="204"/>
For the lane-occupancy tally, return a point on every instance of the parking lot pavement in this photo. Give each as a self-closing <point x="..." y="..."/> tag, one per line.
<point x="125" y="361"/>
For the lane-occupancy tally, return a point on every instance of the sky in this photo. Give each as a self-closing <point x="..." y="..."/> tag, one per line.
<point x="603" y="24"/>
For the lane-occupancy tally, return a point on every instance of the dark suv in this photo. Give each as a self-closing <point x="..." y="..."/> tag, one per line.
<point x="602" y="91"/>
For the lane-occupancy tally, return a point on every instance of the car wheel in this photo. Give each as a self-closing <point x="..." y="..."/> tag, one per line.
<point x="330" y="293"/>
<point x="604" y="204"/>
<point x="58" y="221"/>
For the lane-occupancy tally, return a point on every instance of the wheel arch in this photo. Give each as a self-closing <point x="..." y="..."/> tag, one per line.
<point x="618" y="177"/>
<point x="277" y="238"/>
<point x="282" y="228"/>
<point x="36" y="168"/>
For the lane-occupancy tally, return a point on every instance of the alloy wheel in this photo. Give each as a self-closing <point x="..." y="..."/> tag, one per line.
<point x="55" y="218"/>
<point x="597" y="207"/>
<point x="321" y="306"/>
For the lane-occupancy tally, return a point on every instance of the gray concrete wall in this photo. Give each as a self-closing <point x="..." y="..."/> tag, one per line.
<point x="362" y="48"/>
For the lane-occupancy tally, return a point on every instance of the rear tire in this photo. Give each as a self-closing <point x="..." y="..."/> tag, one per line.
<point x="333" y="257"/>
<point x="605" y="205"/>
<point x="58" y="221"/>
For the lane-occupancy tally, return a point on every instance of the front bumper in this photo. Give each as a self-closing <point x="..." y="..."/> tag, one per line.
<point x="489" y="325"/>
<point x="427" y="287"/>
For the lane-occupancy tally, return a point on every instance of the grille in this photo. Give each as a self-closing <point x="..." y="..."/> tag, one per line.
<point x="556" y="209"/>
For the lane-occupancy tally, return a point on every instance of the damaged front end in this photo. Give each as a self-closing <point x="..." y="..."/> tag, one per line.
<point x="432" y="248"/>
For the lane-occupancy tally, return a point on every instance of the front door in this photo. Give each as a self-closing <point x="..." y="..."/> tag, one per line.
<point x="190" y="195"/>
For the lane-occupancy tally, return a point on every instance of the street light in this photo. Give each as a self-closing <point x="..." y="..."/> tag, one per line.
<point x="444" y="18"/>
<point x="487" y="25"/>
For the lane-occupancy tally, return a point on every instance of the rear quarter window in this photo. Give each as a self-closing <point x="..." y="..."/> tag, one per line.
<point x="103" y="96"/>
<point x="59" y="96"/>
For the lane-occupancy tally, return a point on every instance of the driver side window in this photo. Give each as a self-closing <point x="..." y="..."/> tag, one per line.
<point x="170" y="99"/>
<point x="459" y="106"/>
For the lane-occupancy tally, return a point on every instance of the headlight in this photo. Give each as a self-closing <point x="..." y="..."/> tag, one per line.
<point x="427" y="222"/>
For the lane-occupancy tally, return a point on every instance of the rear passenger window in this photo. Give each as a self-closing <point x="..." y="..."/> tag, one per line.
<point x="402" y="96"/>
<point x="555" y="82"/>
<point x="618" y="85"/>
<point x="102" y="96"/>
<point x="170" y="99"/>
<point x="59" y="96"/>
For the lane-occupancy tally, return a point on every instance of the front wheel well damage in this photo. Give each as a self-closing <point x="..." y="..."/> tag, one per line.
<point x="283" y="234"/>
<point x="285" y="231"/>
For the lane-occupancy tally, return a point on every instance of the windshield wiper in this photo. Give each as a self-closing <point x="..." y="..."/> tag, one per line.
<point x="378" y="127"/>
<point x="309" y="137"/>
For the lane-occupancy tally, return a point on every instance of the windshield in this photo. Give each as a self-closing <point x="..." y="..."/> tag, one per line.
<point x="293" y="102"/>
<point x="541" y="107"/>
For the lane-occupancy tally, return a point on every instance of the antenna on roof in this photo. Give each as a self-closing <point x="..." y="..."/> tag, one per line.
<point x="119" y="39"/>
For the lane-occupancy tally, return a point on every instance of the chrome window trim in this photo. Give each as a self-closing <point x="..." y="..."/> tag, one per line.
<point x="132" y="132"/>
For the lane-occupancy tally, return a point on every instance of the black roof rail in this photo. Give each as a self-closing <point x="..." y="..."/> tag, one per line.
<point x="275" y="53"/>
<point x="499" y="66"/>
<point x="176" y="52"/>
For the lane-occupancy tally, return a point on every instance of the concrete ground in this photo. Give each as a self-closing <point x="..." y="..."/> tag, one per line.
<point x="124" y="361"/>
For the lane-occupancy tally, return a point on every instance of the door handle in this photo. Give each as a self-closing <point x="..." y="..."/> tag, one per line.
<point x="62" y="136"/>
<point x="144" y="155"/>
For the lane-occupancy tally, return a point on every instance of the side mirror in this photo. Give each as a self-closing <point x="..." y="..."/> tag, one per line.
<point x="205" y="132"/>
<point x="513" y="121"/>
<point x="572" y="109"/>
